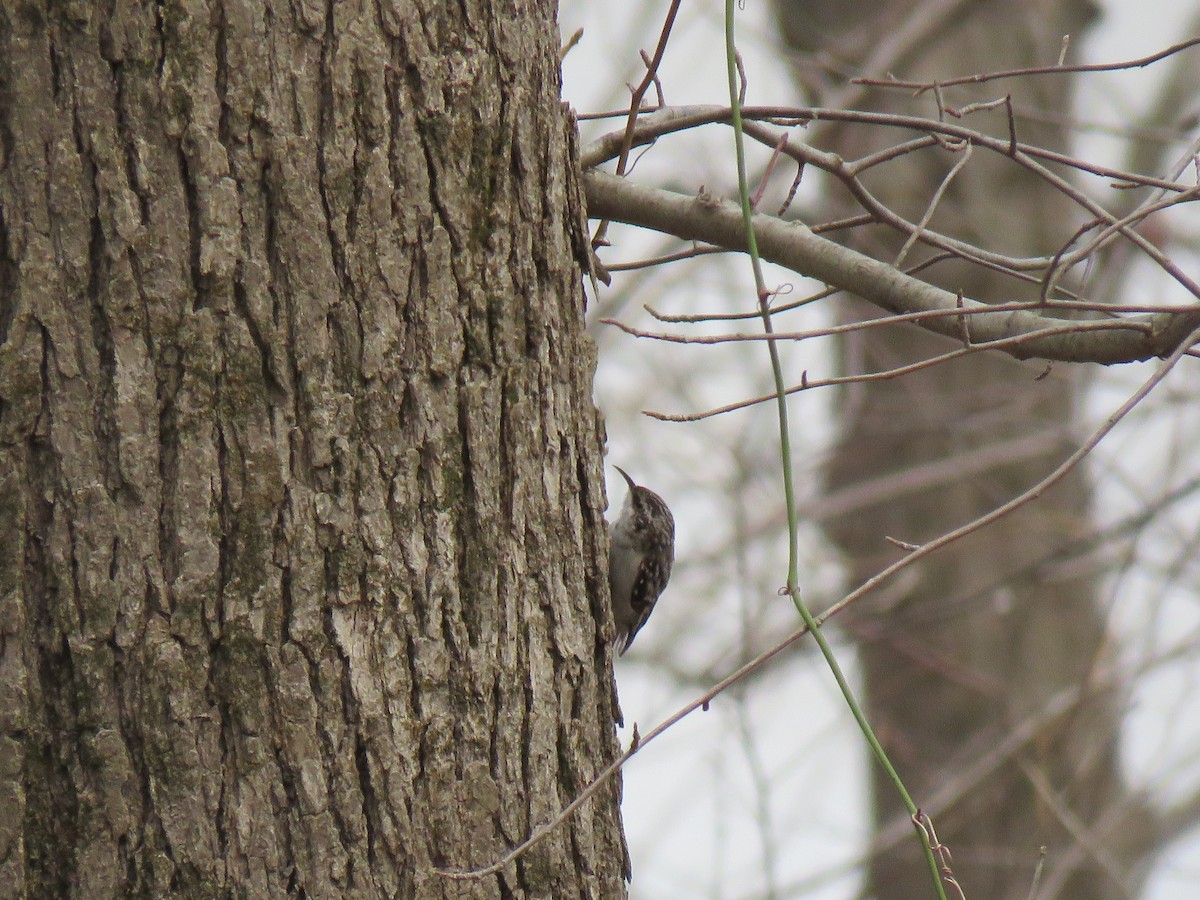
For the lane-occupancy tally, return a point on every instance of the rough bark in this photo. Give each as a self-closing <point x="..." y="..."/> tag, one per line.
<point x="991" y="632"/>
<point x="300" y="516"/>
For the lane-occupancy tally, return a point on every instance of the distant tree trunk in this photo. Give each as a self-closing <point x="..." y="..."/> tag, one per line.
<point x="300" y="509"/>
<point x="991" y="629"/>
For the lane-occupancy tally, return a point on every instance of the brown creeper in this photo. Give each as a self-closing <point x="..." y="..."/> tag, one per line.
<point x="639" y="563"/>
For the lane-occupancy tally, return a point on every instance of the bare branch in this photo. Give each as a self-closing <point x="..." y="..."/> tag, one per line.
<point x="793" y="245"/>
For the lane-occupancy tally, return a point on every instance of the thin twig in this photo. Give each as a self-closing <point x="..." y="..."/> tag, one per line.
<point x="635" y="103"/>
<point x="923" y="86"/>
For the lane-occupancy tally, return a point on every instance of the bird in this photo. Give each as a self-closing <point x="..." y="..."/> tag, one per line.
<point x="640" y="560"/>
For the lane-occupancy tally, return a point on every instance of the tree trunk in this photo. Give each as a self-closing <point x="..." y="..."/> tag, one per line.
<point x="301" y="544"/>
<point x="991" y="633"/>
